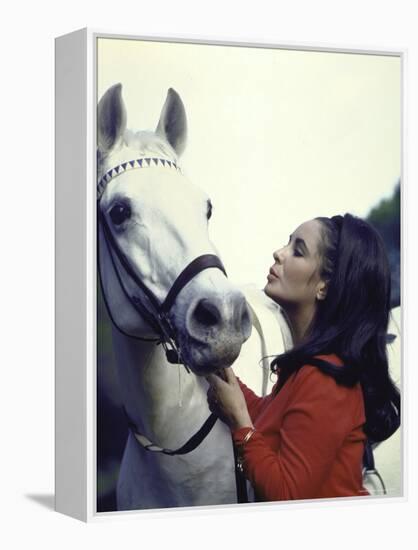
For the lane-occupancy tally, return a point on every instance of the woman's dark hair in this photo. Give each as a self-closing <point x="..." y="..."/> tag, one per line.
<point x="352" y="321"/>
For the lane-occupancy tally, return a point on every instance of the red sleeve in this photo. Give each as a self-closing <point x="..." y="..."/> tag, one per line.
<point x="253" y="401"/>
<point x="316" y="421"/>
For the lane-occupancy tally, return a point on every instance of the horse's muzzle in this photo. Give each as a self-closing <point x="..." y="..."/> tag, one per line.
<point x="215" y="329"/>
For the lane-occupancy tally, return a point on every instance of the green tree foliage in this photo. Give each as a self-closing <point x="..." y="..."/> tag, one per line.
<point x="386" y="218"/>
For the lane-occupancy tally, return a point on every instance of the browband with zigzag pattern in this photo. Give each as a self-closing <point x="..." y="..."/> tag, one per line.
<point x="132" y="165"/>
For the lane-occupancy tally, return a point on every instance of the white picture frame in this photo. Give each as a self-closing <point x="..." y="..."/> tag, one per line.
<point x="76" y="253"/>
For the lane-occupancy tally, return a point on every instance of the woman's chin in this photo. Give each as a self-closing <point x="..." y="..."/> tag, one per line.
<point x="268" y="291"/>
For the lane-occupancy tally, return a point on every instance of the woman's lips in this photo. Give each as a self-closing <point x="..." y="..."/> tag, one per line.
<point x="272" y="275"/>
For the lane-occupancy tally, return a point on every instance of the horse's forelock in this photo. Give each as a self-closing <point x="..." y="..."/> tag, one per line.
<point x="148" y="143"/>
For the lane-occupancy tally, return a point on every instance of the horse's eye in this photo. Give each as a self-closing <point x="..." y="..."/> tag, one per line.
<point x="209" y="211"/>
<point x="120" y="213"/>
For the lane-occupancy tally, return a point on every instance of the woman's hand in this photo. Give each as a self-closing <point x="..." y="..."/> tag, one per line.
<point x="227" y="401"/>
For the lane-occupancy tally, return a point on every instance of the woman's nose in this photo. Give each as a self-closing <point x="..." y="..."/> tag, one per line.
<point x="278" y="255"/>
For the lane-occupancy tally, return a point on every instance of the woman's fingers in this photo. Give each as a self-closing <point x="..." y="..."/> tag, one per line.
<point x="225" y="376"/>
<point x="212" y="395"/>
<point x="213" y="403"/>
<point x="226" y="399"/>
<point x="229" y="375"/>
<point x="209" y="378"/>
<point x="214" y="380"/>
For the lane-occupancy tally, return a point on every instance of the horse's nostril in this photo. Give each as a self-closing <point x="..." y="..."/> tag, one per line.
<point x="206" y="314"/>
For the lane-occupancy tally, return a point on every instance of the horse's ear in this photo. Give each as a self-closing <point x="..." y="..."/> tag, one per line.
<point x="111" y="118"/>
<point x="173" y="122"/>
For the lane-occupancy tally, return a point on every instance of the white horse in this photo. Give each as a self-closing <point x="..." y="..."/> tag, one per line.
<point x="152" y="227"/>
<point x="152" y="224"/>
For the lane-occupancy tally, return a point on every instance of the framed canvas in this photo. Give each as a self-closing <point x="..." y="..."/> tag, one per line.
<point x="181" y="167"/>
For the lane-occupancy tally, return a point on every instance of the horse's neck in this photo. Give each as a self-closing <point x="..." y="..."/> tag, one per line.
<point x="166" y="403"/>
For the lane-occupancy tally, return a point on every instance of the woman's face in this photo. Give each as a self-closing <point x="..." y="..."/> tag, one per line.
<point x="294" y="279"/>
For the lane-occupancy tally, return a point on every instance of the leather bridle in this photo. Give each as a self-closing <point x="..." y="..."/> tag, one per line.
<point x="148" y="306"/>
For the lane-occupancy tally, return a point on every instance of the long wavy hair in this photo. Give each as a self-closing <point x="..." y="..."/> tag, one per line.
<point x="352" y="321"/>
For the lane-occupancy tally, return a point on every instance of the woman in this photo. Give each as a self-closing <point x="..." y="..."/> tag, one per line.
<point x="307" y="438"/>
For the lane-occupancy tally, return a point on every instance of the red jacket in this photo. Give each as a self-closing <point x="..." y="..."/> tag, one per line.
<point x="309" y="438"/>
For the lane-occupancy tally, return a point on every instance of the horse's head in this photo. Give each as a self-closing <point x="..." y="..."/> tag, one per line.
<point x="152" y="224"/>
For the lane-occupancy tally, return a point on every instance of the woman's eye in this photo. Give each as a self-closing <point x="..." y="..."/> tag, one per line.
<point x="297" y="253"/>
<point x="119" y="213"/>
<point x="209" y="210"/>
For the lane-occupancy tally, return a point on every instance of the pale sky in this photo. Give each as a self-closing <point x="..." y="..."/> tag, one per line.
<point x="275" y="137"/>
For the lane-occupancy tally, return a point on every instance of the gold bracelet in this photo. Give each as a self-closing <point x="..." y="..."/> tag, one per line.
<point x="248" y="436"/>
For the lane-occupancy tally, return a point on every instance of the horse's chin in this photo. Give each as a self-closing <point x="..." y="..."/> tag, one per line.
<point x="204" y="359"/>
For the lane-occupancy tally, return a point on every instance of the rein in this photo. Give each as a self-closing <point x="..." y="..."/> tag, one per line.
<point x="188" y="447"/>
